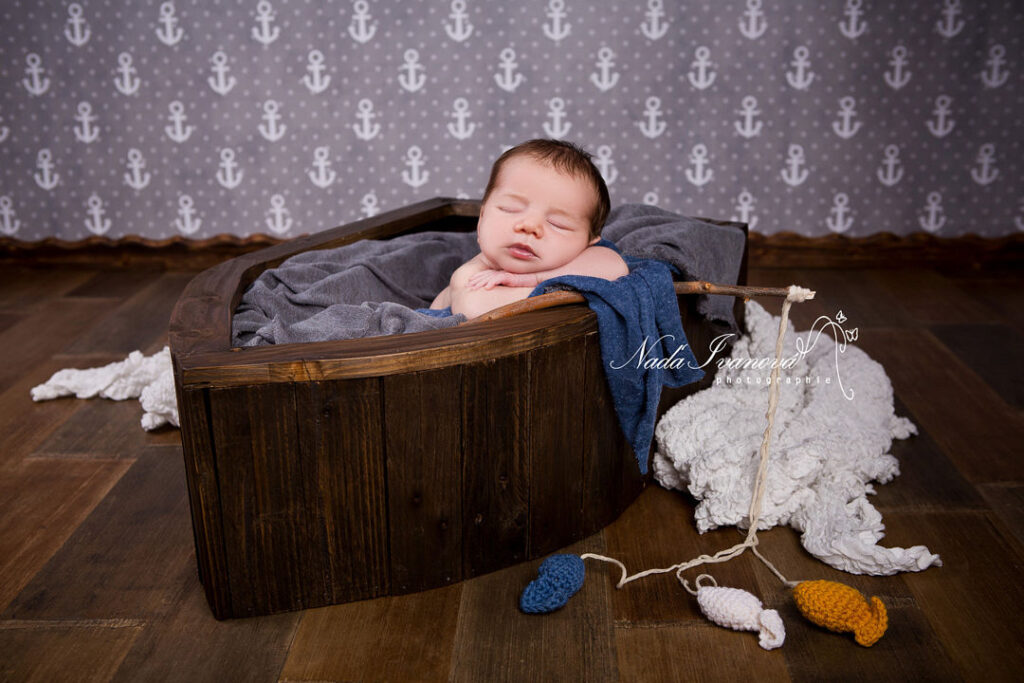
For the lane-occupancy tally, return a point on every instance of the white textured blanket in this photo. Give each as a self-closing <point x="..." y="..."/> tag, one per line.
<point x="147" y="378"/>
<point x="833" y="430"/>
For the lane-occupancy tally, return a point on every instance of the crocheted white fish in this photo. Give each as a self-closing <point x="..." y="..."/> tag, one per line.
<point x="739" y="610"/>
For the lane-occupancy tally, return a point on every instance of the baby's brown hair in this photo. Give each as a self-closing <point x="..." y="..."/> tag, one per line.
<point x="564" y="157"/>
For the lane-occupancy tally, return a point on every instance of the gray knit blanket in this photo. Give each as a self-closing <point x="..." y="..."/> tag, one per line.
<point x="373" y="287"/>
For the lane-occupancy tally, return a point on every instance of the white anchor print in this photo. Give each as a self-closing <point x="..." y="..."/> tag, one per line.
<point x="178" y="131"/>
<point x="85" y="132"/>
<point x="278" y="219"/>
<point x="366" y="129"/>
<point x="604" y="79"/>
<point x="270" y="129"/>
<point x="360" y="28"/>
<point x="369" y="205"/>
<point x="793" y="174"/>
<point x="315" y="80"/>
<point x="994" y="75"/>
<point x="263" y="32"/>
<point x="555" y="29"/>
<point x="653" y="27"/>
<point x="4" y="130"/>
<point x="941" y="125"/>
<point x="651" y="126"/>
<point x="745" y="208"/>
<point x="459" y="29"/>
<point x="852" y="27"/>
<point x="985" y="172"/>
<point x="35" y="83"/>
<point x="801" y="78"/>
<point x="322" y="176"/>
<point x="605" y="164"/>
<point x="556" y="126"/>
<point x="843" y="127"/>
<point x="699" y="174"/>
<point x="228" y="173"/>
<point x="45" y="178"/>
<point x="507" y="79"/>
<point x="96" y="223"/>
<point x="168" y="31"/>
<point x="9" y="222"/>
<point x="753" y="23"/>
<point x="220" y="82"/>
<point x="949" y="26"/>
<point x="891" y="172"/>
<point x="136" y="178"/>
<point x="411" y="79"/>
<point x="77" y="29"/>
<point x="460" y="129"/>
<point x="186" y="222"/>
<point x="125" y="83"/>
<point x="749" y="128"/>
<point x="414" y="176"/>
<point x="702" y="78"/>
<point x="933" y="218"/>
<point x="840" y="217"/>
<point x="897" y="78"/>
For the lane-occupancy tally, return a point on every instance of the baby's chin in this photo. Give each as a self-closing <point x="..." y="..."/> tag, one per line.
<point x="513" y="265"/>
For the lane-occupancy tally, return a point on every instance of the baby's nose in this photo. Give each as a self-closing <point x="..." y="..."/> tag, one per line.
<point x="530" y="226"/>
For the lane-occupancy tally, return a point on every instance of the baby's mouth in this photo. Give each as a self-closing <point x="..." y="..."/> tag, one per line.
<point x="522" y="251"/>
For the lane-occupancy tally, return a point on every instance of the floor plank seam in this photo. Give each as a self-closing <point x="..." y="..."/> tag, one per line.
<point x="43" y="624"/>
<point x="631" y="625"/>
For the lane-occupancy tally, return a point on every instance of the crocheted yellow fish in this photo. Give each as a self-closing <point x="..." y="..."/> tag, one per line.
<point x="840" y="608"/>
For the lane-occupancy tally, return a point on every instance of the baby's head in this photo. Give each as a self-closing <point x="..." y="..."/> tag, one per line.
<point x="544" y="204"/>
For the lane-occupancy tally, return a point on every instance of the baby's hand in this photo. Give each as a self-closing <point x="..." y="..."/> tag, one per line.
<point x="488" y="279"/>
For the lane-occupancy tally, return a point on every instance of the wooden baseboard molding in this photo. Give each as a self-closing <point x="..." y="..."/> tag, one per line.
<point x="132" y="251"/>
<point x="780" y="250"/>
<point x="882" y="250"/>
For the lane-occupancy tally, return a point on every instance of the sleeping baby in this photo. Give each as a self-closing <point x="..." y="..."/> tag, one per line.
<point x="541" y="217"/>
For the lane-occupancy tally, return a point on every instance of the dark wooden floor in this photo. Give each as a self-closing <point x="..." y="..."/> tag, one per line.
<point x="97" y="570"/>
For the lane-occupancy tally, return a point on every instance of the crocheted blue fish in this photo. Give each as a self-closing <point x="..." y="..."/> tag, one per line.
<point x="559" y="578"/>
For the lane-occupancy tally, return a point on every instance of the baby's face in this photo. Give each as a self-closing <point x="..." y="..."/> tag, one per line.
<point x="535" y="218"/>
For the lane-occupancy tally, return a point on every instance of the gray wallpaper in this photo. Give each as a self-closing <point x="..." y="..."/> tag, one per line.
<point x="194" y="118"/>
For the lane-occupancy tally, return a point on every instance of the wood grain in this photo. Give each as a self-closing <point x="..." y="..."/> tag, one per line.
<point x="1006" y="499"/>
<point x="423" y="442"/>
<point x="123" y="560"/>
<point x="187" y="643"/>
<point x="78" y="486"/>
<point x="555" y="446"/>
<point x="61" y="651"/>
<point x="927" y="478"/>
<point x="405" y="638"/>
<point x="973" y="601"/>
<point x="496" y="425"/>
<point x="138" y="323"/>
<point x="36" y="337"/>
<point x="993" y="352"/>
<point x="22" y="287"/>
<point x="954" y="405"/>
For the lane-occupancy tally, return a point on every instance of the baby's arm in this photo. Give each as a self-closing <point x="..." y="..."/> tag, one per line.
<point x="475" y="302"/>
<point x="594" y="261"/>
<point x="458" y="279"/>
